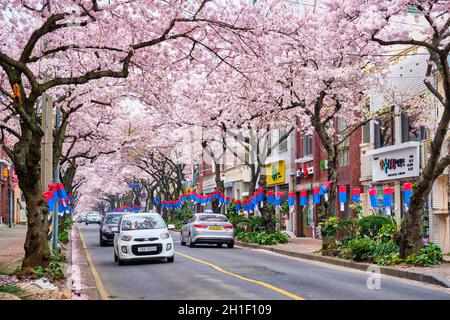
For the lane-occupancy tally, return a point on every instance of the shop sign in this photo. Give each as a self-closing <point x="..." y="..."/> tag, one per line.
<point x="396" y="162"/>
<point x="276" y="173"/>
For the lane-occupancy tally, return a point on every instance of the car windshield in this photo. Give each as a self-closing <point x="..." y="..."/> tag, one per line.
<point x="213" y="217"/>
<point x="143" y="223"/>
<point x="112" y="218"/>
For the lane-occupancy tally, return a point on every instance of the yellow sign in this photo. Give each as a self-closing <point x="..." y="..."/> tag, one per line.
<point x="5" y="173"/>
<point x="275" y="173"/>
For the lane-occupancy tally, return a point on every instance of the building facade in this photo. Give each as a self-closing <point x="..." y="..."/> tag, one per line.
<point x="312" y="172"/>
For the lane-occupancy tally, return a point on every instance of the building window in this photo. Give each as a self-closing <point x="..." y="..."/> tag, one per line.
<point x="384" y="131"/>
<point x="307" y="145"/>
<point x="411" y="129"/>
<point x="344" y="147"/>
<point x="366" y="133"/>
<point x="282" y="144"/>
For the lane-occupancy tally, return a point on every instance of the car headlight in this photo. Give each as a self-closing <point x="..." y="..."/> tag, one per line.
<point x="106" y="229"/>
<point x="126" y="238"/>
<point x="165" y="235"/>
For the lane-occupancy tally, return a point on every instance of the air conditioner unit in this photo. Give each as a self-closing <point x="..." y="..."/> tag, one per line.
<point x="298" y="173"/>
<point x="311" y="170"/>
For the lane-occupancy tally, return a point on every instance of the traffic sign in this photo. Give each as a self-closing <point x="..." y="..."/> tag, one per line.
<point x="143" y="196"/>
<point x="134" y="185"/>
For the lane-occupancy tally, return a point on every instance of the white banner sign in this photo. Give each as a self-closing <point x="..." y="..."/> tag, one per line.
<point x="400" y="163"/>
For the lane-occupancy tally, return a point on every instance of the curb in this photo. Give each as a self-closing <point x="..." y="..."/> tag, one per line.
<point x="68" y="269"/>
<point x="389" y="271"/>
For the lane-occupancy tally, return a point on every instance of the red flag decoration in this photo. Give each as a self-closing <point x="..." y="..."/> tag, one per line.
<point x="316" y="195"/>
<point x="356" y="195"/>
<point x="303" y="199"/>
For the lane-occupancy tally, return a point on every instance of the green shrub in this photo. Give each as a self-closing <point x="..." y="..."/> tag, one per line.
<point x="428" y="255"/>
<point x="389" y="259"/>
<point x="15" y="290"/>
<point x="55" y="270"/>
<point x="261" y="237"/>
<point x="66" y="223"/>
<point x="361" y="249"/>
<point x="348" y="227"/>
<point x="388" y="232"/>
<point x="385" y="248"/>
<point x="370" y="226"/>
<point x="63" y="236"/>
<point x="328" y="227"/>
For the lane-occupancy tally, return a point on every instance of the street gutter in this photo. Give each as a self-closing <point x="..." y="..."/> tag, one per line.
<point x="389" y="271"/>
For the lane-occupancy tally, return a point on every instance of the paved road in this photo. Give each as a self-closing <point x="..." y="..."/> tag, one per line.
<point x="208" y="272"/>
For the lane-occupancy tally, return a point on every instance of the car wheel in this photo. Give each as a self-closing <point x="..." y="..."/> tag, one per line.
<point x="115" y="256"/>
<point x="102" y="242"/>
<point x="190" y="243"/>
<point x="170" y="259"/>
<point x="87" y="223"/>
<point x="121" y="262"/>
<point x="230" y="245"/>
<point x="181" y="239"/>
<point x="219" y="245"/>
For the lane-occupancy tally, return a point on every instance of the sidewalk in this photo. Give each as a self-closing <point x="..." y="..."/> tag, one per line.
<point x="307" y="248"/>
<point x="11" y="246"/>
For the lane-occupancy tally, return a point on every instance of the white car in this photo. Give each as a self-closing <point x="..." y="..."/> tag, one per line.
<point x="142" y="236"/>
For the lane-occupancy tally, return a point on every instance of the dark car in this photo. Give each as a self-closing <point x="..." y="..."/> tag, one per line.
<point x="108" y="227"/>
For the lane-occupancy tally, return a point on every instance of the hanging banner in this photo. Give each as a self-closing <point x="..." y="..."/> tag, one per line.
<point x="387" y="199"/>
<point x="407" y="193"/>
<point x="324" y="188"/>
<point x="303" y="198"/>
<point x="373" y="195"/>
<point x="356" y="195"/>
<point x="342" y="196"/>
<point x="291" y="201"/>
<point x="316" y="195"/>
<point x="270" y="197"/>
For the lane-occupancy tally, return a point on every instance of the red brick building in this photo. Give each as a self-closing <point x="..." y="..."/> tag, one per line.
<point x="311" y="154"/>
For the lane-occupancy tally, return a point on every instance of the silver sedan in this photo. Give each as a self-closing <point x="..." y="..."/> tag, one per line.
<point x="211" y="228"/>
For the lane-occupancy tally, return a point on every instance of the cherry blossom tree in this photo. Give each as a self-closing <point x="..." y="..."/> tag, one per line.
<point x="49" y="47"/>
<point x="422" y="24"/>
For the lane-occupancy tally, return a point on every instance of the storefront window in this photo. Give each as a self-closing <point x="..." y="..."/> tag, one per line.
<point x="310" y="209"/>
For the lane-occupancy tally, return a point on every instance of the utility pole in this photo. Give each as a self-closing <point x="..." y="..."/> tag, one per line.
<point x="47" y="141"/>
<point x="56" y="175"/>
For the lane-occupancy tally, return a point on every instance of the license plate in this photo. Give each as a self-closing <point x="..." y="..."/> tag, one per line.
<point x="114" y="229"/>
<point x="215" y="228"/>
<point x="146" y="249"/>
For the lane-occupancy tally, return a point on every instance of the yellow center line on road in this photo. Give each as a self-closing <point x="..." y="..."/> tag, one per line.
<point x="261" y="283"/>
<point x="95" y="275"/>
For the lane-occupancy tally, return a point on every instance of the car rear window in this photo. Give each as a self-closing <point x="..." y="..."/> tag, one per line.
<point x="142" y="223"/>
<point x="213" y="217"/>
<point x="112" y="218"/>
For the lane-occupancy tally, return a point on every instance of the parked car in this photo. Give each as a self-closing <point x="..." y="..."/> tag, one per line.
<point x="212" y="228"/>
<point x="143" y="236"/>
<point x="82" y="217"/>
<point x="108" y="227"/>
<point x="93" y="217"/>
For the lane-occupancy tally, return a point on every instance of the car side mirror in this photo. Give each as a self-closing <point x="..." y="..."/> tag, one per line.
<point x="171" y="226"/>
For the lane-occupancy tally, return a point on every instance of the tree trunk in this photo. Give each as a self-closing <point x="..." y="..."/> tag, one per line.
<point x="410" y="237"/>
<point x="219" y="185"/>
<point x="27" y="156"/>
<point x="330" y="205"/>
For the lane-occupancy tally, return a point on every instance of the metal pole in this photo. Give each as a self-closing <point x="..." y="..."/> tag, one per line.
<point x="56" y="179"/>
<point x="11" y="195"/>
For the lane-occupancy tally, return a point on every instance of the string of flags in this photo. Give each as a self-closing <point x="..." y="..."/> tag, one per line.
<point x="257" y="199"/>
<point x="134" y="208"/>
